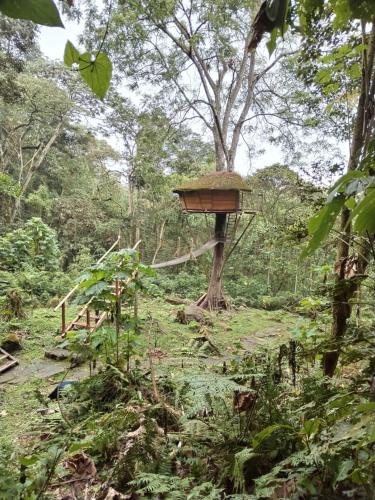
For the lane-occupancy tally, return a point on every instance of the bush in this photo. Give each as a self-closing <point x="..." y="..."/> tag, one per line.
<point x="34" y="244"/>
<point x="279" y="301"/>
<point x="42" y="285"/>
<point x="251" y="293"/>
<point x="185" y="284"/>
<point x="33" y="285"/>
<point x="244" y="291"/>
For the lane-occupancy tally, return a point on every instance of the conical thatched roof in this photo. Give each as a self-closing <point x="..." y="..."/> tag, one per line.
<point x="227" y="181"/>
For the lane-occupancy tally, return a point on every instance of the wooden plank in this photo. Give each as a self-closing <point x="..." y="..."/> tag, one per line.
<point x="12" y="360"/>
<point x="6" y="367"/>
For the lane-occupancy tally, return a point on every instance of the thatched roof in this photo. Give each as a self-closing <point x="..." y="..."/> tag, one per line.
<point x="216" y="181"/>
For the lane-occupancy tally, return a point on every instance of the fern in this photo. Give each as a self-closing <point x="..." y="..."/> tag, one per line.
<point x="240" y="459"/>
<point x="165" y="466"/>
<point x="201" y="391"/>
<point x="206" y="490"/>
<point x="160" y="484"/>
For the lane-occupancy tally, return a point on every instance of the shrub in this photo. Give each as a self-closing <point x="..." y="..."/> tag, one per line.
<point x="185" y="284"/>
<point x="33" y="244"/>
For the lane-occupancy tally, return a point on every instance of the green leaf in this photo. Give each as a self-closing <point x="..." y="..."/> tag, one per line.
<point x="97" y="289"/>
<point x="362" y="9"/>
<point x="71" y="54"/>
<point x="366" y="407"/>
<point x="311" y="427"/>
<point x="271" y="44"/>
<point x="40" y="11"/>
<point x="321" y="224"/>
<point x="80" y="445"/>
<point x="364" y="214"/>
<point x="267" y="432"/>
<point x="276" y="11"/>
<point x="30" y="460"/>
<point x="97" y="73"/>
<point x="344" y="469"/>
<point x="350" y="203"/>
<point x="341" y="183"/>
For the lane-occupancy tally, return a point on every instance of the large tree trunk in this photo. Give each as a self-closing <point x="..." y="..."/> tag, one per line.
<point x="350" y="271"/>
<point x="214" y="298"/>
<point x="348" y="280"/>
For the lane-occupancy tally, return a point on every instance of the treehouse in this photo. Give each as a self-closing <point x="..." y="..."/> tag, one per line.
<point x="218" y="192"/>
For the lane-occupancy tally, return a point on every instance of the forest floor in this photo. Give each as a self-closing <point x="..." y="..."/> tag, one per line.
<point x="23" y="390"/>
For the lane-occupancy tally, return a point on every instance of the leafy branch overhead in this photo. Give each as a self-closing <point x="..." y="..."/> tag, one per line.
<point x="42" y="12"/>
<point x="354" y="190"/>
<point x="96" y="70"/>
<point x="274" y="16"/>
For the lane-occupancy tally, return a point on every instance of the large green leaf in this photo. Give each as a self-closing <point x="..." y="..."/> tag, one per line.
<point x="40" y="11"/>
<point x="97" y="289"/>
<point x="346" y="10"/>
<point x="96" y="72"/>
<point x="321" y="224"/>
<point x="341" y="183"/>
<point x="71" y="54"/>
<point x="267" y="432"/>
<point x="364" y="213"/>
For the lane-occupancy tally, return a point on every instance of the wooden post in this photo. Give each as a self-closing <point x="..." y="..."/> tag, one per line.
<point x="63" y="324"/>
<point x="88" y="318"/>
<point x="117" y="317"/>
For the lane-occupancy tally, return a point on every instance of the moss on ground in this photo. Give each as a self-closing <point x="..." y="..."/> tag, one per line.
<point x="229" y="332"/>
<point x="39" y="331"/>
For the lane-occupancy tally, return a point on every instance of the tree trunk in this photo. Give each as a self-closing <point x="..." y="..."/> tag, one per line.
<point x="159" y="242"/>
<point x="214" y="298"/>
<point x="350" y="273"/>
<point x="219" y="153"/>
<point x="348" y="282"/>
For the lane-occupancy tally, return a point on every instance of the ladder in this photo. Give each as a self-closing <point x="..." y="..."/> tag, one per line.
<point x="6" y="360"/>
<point x="86" y="319"/>
<point x="231" y="227"/>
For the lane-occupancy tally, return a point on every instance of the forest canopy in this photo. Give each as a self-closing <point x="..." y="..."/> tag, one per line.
<point x="187" y="245"/>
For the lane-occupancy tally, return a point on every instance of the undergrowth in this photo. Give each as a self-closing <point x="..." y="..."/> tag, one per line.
<point x="264" y="425"/>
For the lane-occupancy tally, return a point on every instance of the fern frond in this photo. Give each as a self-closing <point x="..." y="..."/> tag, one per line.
<point x="240" y="460"/>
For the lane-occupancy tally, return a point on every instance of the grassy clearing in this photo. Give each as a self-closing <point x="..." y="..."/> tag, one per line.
<point x="230" y="332"/>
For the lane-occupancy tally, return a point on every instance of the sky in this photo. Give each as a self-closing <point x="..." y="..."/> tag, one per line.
<point x="52" y="42"/>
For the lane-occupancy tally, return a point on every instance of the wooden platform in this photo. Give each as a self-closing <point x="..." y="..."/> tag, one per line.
<point x="7" y="361"/>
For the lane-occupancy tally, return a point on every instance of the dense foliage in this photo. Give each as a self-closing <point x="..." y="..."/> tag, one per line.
<point x="166" y="408"/>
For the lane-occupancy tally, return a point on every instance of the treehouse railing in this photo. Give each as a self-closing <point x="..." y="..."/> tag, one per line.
<point x="97" y="319"/>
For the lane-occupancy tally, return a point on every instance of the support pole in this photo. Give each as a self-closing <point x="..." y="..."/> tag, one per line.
<point x="63" y="320"/>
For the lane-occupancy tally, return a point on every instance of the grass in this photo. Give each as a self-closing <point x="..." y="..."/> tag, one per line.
<point x="40" y="328"/>
<point x="229" y="332"/>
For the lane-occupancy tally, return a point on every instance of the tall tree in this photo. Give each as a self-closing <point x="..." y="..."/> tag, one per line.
<point x="195" y="54"/>
<point x="363" y="130"/>
<point x="29" y="129"/>
<point x="349" y="64"/>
